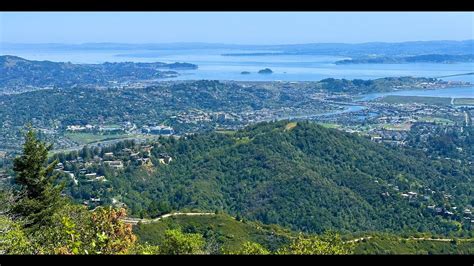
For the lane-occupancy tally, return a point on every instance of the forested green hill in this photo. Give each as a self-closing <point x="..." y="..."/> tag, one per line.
<point x="301" y="176"/>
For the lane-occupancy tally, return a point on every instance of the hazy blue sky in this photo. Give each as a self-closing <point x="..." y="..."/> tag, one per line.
<point x="234" y="27"/>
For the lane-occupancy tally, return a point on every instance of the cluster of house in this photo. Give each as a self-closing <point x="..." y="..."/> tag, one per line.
<point x="83" y="172"/>
<point x="4" y="176"/>
<point x="91" y="128"/>
<point x="259" y="115"/>
<point x="396" y="138"/>
<point x="197" y="116"/>
<point x="158" y="130"/>
<point x="112" y="161"/>
<point x="79" y="128"/>
<point x="438" y="210"/>
<point x="466" y="213"/>
<point x="391" y="122"/>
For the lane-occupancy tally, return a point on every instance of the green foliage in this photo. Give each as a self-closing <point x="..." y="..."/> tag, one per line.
<point x="308" y="178"/>
<point x="54" y="226"/>
<point x="39" y="196"/>
<point x="221" y="232"/>
<point x="75" y="230"/>
<point x="251" y="248"/>
<point x="24" y="73"/>
<point x="328" y="244"/>
<point x="444" y="141"/>
<point x="165" y="103"/>
<point x="370" y="86"/>
<point x="393" y="244"/>
<point x="12" y="238"/>
<point x="145" y="249"/>
<point x="177" y="242"/>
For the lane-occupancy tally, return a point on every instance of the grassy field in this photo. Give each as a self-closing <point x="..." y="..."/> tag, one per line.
<point x="398" y="127"/>
<point x="396" y="99"/>
<point x="437" y="120"/>
<point x="290" y="126"/>
<point x="89" y="138"/>
<point x="464" y="101"/>
<point x="86" y="138"/>
<point x="329" y="125"/>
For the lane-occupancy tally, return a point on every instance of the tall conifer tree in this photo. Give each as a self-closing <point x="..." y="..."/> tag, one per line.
<point x="39" y="195"/>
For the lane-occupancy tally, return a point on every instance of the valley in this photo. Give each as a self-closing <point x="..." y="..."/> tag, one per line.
<point x="311" y="150"/>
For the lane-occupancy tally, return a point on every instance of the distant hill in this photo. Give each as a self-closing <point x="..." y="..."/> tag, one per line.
<point x="365" y="49"/>
<point x="346" y="49"/>
<point x="304" y="177"/>
<point x="428" y="58"/>
<point x="18" y="72"/>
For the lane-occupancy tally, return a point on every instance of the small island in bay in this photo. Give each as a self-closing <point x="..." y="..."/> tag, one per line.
<point x="245" y="72"/>
<point x="265" y="71"/>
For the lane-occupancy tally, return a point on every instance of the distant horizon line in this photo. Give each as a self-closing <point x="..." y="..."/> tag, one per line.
<point x="235" y="44"/>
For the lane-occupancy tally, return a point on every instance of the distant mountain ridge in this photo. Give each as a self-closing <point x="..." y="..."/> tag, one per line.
<point x="381" y="48"/>
<point x="425" y="58"/>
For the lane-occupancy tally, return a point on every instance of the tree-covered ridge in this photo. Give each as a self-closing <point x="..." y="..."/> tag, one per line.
<point x="156" y="103"/>
<point x="359" y="86"/>
<point x="187" y="107"/>
<point x="167" y="100"/>
<point x="301" y="176"/>
<point x="36" y="218"/>
<point x="19" y="72"/>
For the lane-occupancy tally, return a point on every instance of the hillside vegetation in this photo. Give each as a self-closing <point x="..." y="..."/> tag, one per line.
<point x="304" y="177"/>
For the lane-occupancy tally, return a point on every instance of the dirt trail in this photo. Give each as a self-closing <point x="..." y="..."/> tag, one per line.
<point x="129" y="220"/>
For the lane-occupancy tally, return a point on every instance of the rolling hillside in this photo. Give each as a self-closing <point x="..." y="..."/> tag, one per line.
<point x="301" y="176"/>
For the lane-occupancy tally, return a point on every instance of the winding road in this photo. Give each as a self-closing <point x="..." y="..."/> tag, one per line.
<point x="135" y="221"/>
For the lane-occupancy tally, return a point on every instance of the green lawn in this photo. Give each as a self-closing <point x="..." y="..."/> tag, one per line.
<point x="86" y="138"/>
<point x="398" y="127"/>
<point x="330" y="125"/>
<point x="437" y="120"/>
<point x="396" y="99"/>
<point x="464" y="101"/>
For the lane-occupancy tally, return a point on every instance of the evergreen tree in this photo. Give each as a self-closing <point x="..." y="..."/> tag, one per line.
<point x="39" y="197"/>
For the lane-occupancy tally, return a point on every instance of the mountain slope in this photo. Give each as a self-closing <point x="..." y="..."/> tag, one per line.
<point x="221" y="230"/>
<point x="301" y="176"/>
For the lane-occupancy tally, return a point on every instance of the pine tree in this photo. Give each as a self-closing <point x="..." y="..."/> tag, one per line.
<point x="39" y="196"/>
